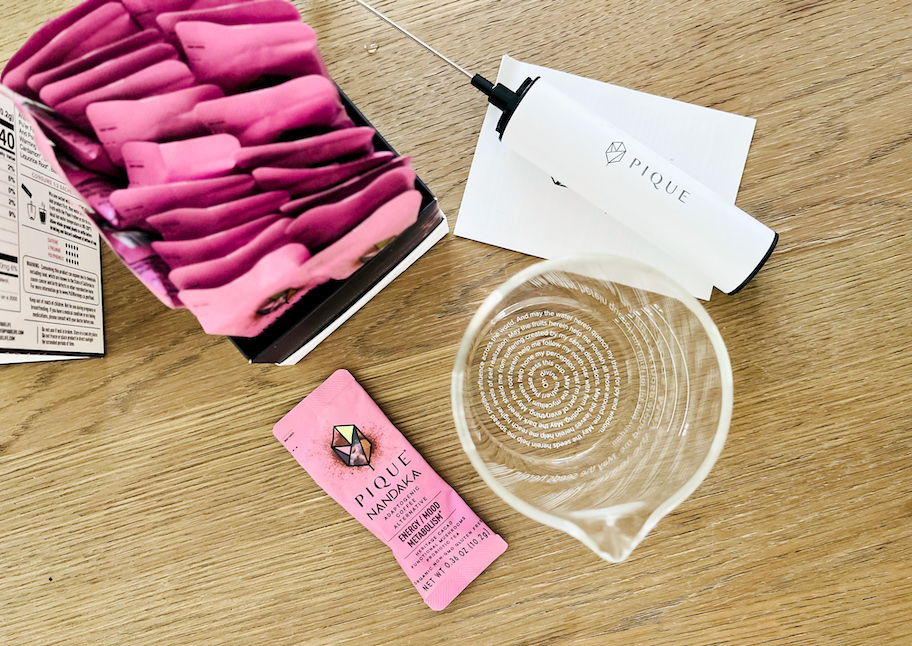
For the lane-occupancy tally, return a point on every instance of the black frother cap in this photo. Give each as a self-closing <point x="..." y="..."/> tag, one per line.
<point x="502" y="97"/>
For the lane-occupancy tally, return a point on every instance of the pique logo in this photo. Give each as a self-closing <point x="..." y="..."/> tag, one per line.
<point x="615" y="152"/>
<point x="351" y="446"/>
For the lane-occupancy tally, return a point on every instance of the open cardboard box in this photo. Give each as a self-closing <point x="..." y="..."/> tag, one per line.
<point x="322" y="310"/>
<point x="326" y="307"/>
<point x="318" y="313"/>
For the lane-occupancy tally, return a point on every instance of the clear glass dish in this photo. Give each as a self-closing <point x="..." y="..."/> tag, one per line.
<point x="592" y="394"/>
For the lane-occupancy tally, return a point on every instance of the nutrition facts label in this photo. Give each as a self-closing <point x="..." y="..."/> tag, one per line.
<point x="50" y="264"/>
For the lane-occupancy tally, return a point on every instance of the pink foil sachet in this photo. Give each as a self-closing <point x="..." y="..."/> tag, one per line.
<point x="217" y="153"/>
<point x="354" y="453"/>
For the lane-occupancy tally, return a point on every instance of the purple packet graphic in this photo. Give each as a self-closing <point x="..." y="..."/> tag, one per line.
<point x="145" y="12"/>
<point x="189" y="223"/>
<point x="237" y="13"/>
<point x="106" y="73"/>
<point x="80" y="147"/>
<point x="301" y="181"/>
<point x="323" y="225"/>
<point x="160" y="78"/>
<point x="247" y="305"/>
<point x="311" y="151"/>
<point x="102" y="26"/>
<point x="343" y="190"/>
<point x="150" y="163"/>
<point x="220" y="271"/>
<point x="261" y="116"/>
<point x="233" y="57"/>
<point x="134" y="205"/>
<point x="178" y="253"/>
<point x="155" y="118"/>
<point x="95" y="57"/>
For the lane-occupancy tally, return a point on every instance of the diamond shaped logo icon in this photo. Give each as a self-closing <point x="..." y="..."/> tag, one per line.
<point x="351" y="446"/>
<point x="615" y="152"/>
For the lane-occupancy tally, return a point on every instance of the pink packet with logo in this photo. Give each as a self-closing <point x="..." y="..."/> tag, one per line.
<point x="155" y="118"/>
<point x="302" y="181"/>
<point x="160" y="78"/>
<point x="105" y="73"/>
<point x="219" y="271"/>
<point x="343" y="190"/>
<point x="149" y="163"/>
<point x="189" y="223"/>
<point x="134" y="205"/>
<point x="178" y="253"/>
<point x="310" y="151"/>
<point x="231" y="13"/>
<point x="261" y="116"/>
<point x="234" y="56"/>
<point x="356" y="455"/>
<point x="95" y="57"/>
<point x="146" y="11"/>
<point x="322" y="225"/>
<point x="247" y="305"/>
<point x="99" y="27"/>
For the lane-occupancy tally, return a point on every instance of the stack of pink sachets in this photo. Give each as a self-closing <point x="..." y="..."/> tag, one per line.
<point x="215" y="151"/>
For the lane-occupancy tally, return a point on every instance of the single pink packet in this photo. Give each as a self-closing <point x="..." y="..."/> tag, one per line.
<point x="230" y="13"/>
<point x="47" y="32"/>
<point x="234" y="56"/>
<point x="145" y="12"/>
<point x="310" y="151"/>
<point x="178" y="253"/>
<point x="305" y="181"/>
<point x="261" y="116"/>
<point x="105" y="73"/>
<point x="134" y="205"/>
<point x="81" y="147"/>
<point x="102" y="26"/>
<point x="247" y="305"/>
<point x="156" y="118"/>
<point x="188" y="223"/>
<point x="343" y="190"/>
<point x="219" y="271"/>
<point x="323" y="225"/>
<point x="160" y="78"/>
<point x="95" y="57"/>
<point x="149" y="163"/>
<point x="356" y="455"/>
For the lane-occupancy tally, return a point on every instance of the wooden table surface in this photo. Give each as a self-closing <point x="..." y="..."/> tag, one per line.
<point x="144" y="500"/>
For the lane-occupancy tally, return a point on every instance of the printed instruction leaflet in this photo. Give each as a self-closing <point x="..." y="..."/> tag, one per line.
<point x="50" y="259"/>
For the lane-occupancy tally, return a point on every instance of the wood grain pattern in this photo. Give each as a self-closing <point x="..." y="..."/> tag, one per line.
<point x="145" y="501"/>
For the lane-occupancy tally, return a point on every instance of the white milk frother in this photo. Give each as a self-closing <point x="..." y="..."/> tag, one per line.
<point x="623" y="177"/>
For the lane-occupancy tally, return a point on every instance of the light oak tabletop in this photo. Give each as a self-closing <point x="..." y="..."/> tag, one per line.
<point x="144" y="499"/>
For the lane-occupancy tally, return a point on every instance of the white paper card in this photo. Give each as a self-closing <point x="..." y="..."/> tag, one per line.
<point x="510" y="203"/>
